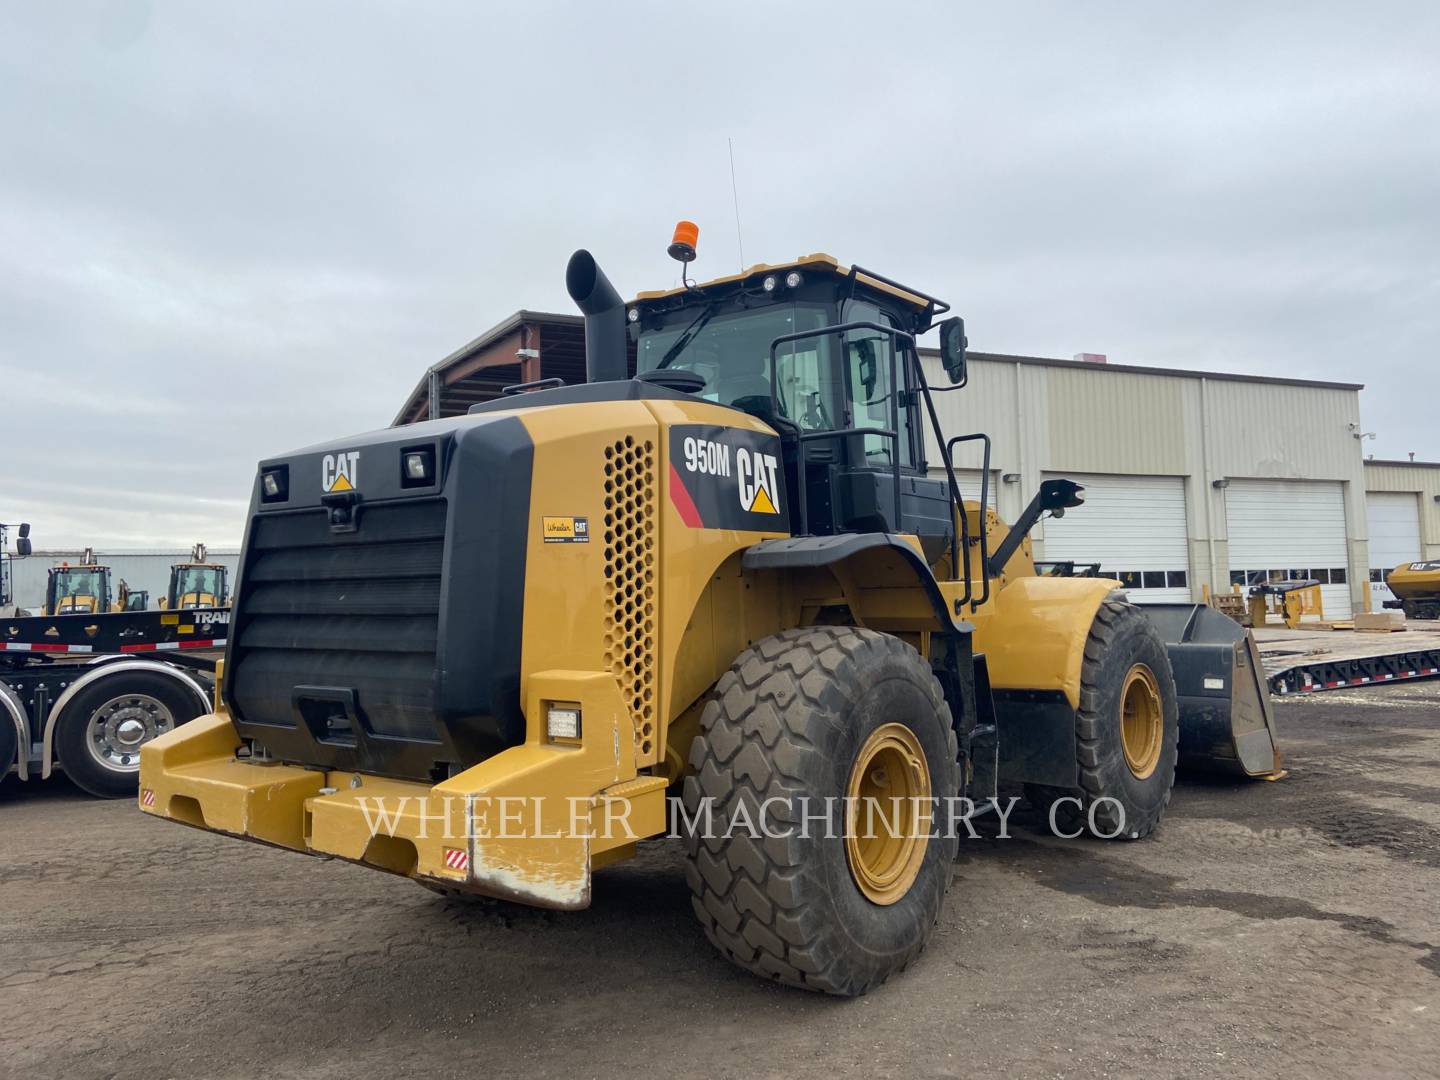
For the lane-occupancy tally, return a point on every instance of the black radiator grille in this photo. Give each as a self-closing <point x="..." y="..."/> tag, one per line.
<point x="358" y="611"/>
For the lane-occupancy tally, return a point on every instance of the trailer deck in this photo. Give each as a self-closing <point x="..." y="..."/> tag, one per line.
<point x="100" y="684"/>
<point x="1304" y="661"/>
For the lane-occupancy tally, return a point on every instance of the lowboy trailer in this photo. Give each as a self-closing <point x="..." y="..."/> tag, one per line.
<point x="82" y="693"/>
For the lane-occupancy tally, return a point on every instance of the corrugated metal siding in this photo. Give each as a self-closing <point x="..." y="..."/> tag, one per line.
<point x="1291" y="432"/>
<point x="987" y="403"/>
<point x="1116" y="422"/>
<point x="1123" y="422"/>
<point x="148" y="569"/>
<point x="1424" y="480"/>
<point x="1048" y="419"/>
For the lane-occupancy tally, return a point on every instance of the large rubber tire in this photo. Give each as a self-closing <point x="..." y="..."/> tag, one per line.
<point x="1420" y="609"/>
<point x="9" y="744"/>
<point x="787" y="721"/>
<point x="72" y="736"/>
<point x="1125" y="807"/>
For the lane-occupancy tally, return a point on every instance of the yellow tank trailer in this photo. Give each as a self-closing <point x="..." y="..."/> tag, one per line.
<point x="469" y="651"/>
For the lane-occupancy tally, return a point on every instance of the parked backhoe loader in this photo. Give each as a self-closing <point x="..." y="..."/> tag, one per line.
<point x="196" y="584"/>
<point x="79" y="589"/>
<point x="128" y="599"/>
<point x="1416" y="587"/>
<point x="510" y="631"/>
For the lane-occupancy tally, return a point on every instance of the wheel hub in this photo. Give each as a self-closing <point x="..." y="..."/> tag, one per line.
<point x="120" y="727"/>
<point x="1142" y="721"/>
<point x="888" y="813"/>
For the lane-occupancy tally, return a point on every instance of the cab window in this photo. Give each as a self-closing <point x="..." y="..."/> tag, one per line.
<point x="869" y="392"/>
<point x="732" y="353"/>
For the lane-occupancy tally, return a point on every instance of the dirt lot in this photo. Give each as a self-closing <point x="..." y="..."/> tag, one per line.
<point x="1268" y="929"/>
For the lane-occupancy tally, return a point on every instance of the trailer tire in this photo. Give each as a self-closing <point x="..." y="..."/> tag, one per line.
<point x="99" y="735"/>
<point x="1125" y="779"/>
<point x="818" y="713"/>
<point x="9" y="744"/>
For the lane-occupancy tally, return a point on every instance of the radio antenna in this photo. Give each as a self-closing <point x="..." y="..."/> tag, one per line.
<point x="735" y="195"/>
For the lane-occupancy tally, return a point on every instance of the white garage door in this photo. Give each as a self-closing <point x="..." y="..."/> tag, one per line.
<point x="969" y="482"/>
<point x="1290" y="528"/>
<point x="1134" y="527"/>
<point x="1394" y="520"/>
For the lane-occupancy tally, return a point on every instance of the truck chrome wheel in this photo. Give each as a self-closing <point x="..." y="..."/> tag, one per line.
<point x="121" y="726"/>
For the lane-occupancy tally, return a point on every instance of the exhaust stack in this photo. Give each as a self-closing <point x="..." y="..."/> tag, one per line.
<point x="604" y="318"/>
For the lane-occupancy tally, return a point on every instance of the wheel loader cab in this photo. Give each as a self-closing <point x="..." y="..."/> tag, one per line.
<point x="826" y="357"/>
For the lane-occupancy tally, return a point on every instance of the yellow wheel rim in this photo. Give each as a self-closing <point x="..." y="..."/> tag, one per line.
<point x="1142" y="721"/>
<point x="885" y="839"/>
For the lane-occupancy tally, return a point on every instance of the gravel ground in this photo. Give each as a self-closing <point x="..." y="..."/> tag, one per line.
<point x="1267" y="929"/>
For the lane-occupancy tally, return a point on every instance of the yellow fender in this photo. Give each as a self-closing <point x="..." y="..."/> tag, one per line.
<point x="1034" y="629"/>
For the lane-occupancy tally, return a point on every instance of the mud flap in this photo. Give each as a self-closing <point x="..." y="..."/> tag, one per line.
<point x="1226" y="721"/>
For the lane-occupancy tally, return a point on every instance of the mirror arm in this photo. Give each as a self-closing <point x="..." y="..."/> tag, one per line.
<point x="1054" y="495"/>
<point x="1013" y="539"/>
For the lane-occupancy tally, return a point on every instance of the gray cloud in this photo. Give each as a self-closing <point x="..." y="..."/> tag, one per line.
<point x="229" y="231"/>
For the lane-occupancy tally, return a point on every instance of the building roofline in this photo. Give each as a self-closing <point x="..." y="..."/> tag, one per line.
<point x="1136" y="369"/>
<point x="519" y="318"/>
<point x="506" y="326"/>
<point x="1406" y="464"/>
<point x="227" y="549"/>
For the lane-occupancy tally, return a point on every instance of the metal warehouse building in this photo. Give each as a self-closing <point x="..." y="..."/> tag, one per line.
<point x="1191" y="477"/>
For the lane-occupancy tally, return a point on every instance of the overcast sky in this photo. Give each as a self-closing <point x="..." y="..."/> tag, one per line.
<point x="230" y="230"/>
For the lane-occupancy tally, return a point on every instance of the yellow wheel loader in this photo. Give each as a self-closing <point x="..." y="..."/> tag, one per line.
<point x="480" y="651"/>
<point x="1416" y="587"/>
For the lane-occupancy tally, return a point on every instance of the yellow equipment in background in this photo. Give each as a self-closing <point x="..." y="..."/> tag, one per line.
<point x="75" y="590"/>
<point x="128" y="599"/>
<point x="197" y="584"/>
<point x="1416" y="586"/>
<point x="1297" y="603"/>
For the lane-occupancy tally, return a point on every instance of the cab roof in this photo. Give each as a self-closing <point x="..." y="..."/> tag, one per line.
<point x="817" y="262"/>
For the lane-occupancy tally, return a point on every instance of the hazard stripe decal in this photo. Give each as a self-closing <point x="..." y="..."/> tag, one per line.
<point x="684" y="504"/>
<point x="45" y="647"/>
<point x="210" y="643"/>
<point x="1313" y="685"/>
<point x="25" y="646"/>
<point x="457" y="858"/>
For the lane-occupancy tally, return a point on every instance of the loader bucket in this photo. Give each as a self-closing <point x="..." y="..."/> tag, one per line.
<point x="1226" y="722"/>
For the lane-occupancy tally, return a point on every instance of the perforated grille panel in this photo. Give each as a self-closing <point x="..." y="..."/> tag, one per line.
<point x="630" y="581"/>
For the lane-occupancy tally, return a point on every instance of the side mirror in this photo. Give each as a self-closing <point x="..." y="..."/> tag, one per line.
<point x="25" y="528"/>
<point x="868" y="369"/>
<point x="1057" y="496"/>
<point x="952" y="349"/>
<point x="22" y="546"/>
